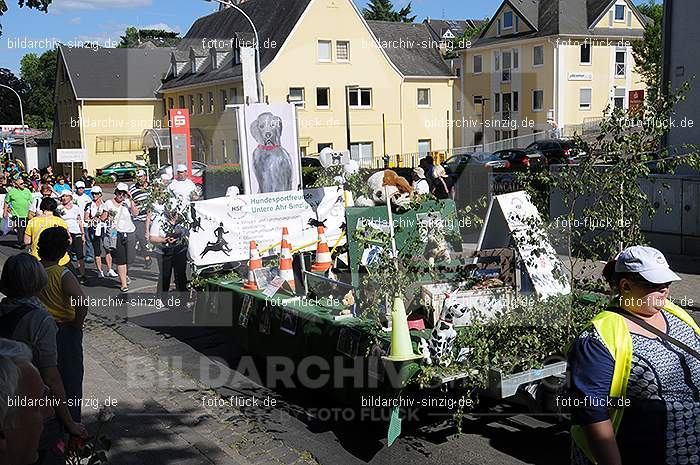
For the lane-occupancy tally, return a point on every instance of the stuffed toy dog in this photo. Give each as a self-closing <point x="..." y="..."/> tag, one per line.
<point x="399" y="190"/>
<point x="438" y="349"/>
<point x="271" y="162"/>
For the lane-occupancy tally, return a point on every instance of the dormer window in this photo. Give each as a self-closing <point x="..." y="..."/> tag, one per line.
<point x="508" y="20"/>
<point x="619" y="12"/>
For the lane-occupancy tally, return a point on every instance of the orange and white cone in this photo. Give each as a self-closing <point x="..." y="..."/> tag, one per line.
<point x="285" y="234"/>
<point x="323" y="254"/>
<point x="254" y="263"/>
<point x="286" y="271"/>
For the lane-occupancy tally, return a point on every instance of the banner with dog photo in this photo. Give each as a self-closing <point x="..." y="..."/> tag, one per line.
<point x="269" y="146"/>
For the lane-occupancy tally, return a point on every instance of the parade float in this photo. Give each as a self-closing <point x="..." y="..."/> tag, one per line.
<point x="372" y="279"/>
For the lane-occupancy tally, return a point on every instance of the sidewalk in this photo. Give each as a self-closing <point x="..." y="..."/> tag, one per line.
<point x="159" y="417"/>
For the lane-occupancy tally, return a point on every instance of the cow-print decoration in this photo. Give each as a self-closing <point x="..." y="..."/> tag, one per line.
<point x="439" y="348"/>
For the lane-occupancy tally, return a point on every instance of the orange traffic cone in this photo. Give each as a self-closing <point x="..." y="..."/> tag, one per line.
<point x="323" y="254"/>
<point x="286" y="271"/>
<point x="254" y="263"/>
<point x="285" y="234"/>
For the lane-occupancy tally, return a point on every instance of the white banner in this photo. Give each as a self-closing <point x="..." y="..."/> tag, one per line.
<point x="224" y="227"/>
<point x="71" y="155"/>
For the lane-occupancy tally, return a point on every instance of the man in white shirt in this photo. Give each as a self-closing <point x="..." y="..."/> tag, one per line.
<point x="182" y="187"/>
<point x="73" y="216"/>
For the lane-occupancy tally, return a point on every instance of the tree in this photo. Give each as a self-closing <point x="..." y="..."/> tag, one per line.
<point x="41" y="5"/>
<point x="39" y="75"/>
<point x="648" y="53"/>
<point x="10" y="113"/>
<point x="383" y="10"/>
<point x="134" y="37"/>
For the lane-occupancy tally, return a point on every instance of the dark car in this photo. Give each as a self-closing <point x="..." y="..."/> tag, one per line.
<point x="556" y="151"/>
<point x="455" y="164"/>
<point x="520" y="159"/>
<point x="310" y="162"/>
<point x="119" y="170"/>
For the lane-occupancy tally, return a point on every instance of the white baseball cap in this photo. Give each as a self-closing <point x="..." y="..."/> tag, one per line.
<point x="122" y="187"/>
<point x="80" y="184"/>
<point x="140" y="173"/>
<point x="181" y="168"/>
<point x="67" y="192"/>
<point x="648" y="262"/>
<point x="166" y="176"/>
<point x="96" y="190"/>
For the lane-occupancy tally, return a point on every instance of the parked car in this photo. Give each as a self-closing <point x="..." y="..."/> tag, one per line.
<point x="556" y="151"/>
<point x="455" y="164"/>
<point x="119" y="170"/>
<point x="310" y="162"/>
<point x="520" y="159"/>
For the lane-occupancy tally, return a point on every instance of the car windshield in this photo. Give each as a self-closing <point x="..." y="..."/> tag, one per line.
<point x="484" y="157"/>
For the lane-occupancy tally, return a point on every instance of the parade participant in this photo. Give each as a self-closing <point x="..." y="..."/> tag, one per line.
<point x="119" y="211"/>
<point x="88" y="180"/>
<point x="182" y="187"/>
<point x="73" y="216"/>
<point x="96" y="231"/>
<point x="639" y="357"/>
<point x="420" y="184"/>
<point x="64" y="299"/>
<point x="47" y="218"/>
<point x="171" y="246"/>
<point x="21" y="427"/>
<point x="3" y="184"/>
<point x="46" y="193"/>
<point x="17" y="203"/>
<point x="139" y="194"/>
<point x="83" y="200"/>
<point x="442" y="183"/>
<point x="61" y="185"/>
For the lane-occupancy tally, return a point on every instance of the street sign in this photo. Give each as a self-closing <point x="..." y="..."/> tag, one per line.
<point x="71" y="155"/>
<point x="636" y="102"/>
<point x="180" y="138"/>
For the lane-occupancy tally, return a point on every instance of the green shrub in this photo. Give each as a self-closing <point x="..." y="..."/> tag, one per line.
<point x="103" y="179"/>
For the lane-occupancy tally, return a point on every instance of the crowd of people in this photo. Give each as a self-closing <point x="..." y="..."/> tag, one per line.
<point x="429" y="178"/>
<point x="66" y="226"/>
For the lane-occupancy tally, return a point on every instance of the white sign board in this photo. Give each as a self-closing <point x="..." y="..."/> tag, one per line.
<point x="515" y="216"/>
<point x="225" y="226"/>
<point x="330" y="157"/>
<point x="250" y="80"/>
<point x="580" y="76"/>
<point x="71" y="155"/>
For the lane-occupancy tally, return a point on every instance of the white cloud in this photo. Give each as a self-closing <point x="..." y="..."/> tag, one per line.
<point x="75" y="20"/>
<point x="59" y="6"/>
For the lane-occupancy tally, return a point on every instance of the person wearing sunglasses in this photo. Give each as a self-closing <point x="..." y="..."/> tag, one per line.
<point x="634" y="374"/>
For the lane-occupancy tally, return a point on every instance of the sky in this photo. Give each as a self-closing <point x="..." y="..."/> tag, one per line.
<point x="78" y="21"/>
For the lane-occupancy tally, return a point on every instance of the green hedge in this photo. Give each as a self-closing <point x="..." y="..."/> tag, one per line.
<point x="218" y="178"/>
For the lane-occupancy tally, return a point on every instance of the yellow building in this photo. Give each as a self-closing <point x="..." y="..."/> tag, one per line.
<point x="388" y="79"/>
<point x="105" y="99"/>
<point x="544" y="65"/>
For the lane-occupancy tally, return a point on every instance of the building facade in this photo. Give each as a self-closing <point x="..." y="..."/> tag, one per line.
<point x="386" y="79"/>
<point x="105" y="100"/>
<point x="546" y="65"/>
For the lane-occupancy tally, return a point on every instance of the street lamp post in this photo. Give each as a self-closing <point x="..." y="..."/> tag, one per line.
<point x="347" y="112"/>
<point x="257" y="44"/>
<point x="21" y="112"/>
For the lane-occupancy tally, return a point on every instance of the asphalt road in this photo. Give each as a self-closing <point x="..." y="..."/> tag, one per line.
<point x="489" y="439"/>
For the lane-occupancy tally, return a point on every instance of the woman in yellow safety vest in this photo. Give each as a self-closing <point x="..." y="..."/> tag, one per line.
<point x="635" y="373"/>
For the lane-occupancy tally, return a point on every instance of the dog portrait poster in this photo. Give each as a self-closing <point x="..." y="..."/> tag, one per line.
<point x="271" y="157"/>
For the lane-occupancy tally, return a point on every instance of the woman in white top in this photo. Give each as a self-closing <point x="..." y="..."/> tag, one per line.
<point x="119" y="210"/>
<point x="95" y="231"/>
<point x="73" y="217"/>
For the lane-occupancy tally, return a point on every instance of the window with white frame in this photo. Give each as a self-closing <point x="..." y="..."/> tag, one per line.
<point x="585" y="54"/>
<point x="200" y="100"/>
<point x="516" y="101"/>
<point x="424" y="147"/>
<point x="477" y="64"/>
<point x="362" y="151"/>
<point x="477" y="100"/>
<point x="538" y="55"/>
<point x="506" y="73"/>
<point x="191" y="104"/>
<point x="620" y="12"/>
<point x="342" y="50"/>
<point x="619" y="98"/>
<point x="360" y="98"/>
<point x="423" y="97"/>
<point x="325" y="52"/>
<point x="324" y="145"/>
<point x="297" y="95"/>
<point x="323" y="97"/>
<point x="507" y="105"/>
<point x="210" y="99"/>
<point x="508" y="20"/>
<point x="620" y="63"/>
<point x="516" y="58"/>
<point x="585" y="99"/>
<point x="538" y="100"/>
<point x="224" y="99"/>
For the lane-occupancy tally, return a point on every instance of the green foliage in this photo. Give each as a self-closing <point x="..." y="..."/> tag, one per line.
<point x="648" y="53"/>
<point x="9" y="103"/>
<point x="383" y="10"/>
<point x="134" y="37"/>
<point x="335" y="176"/>
<point x="104" y="179"/>
<point x="468" y="35"/>
<point x="224" y="170"/>
<point x="39" y="74"/>
<point x="41" y="5"/>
